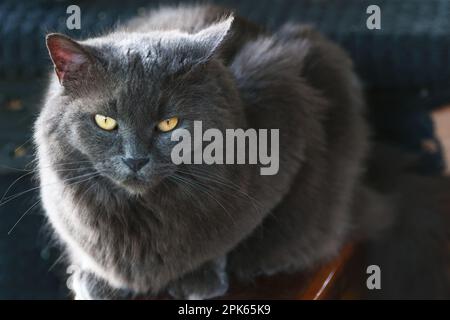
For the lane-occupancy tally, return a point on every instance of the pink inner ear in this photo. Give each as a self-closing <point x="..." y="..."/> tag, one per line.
<point x="66" y="54"/>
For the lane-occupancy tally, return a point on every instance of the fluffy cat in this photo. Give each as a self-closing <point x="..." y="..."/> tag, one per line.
<point x="152" y="227"/>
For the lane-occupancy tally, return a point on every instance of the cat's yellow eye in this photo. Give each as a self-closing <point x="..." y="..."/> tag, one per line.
<point x="168" y="124"/>
<point x="106" y="123"/>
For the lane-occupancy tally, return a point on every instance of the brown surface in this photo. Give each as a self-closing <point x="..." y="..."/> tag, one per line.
<point x="322" y="283"/>
<point x="327" y="281"/>
<point x="441" y="119"/>
<point x="318" y="284"/>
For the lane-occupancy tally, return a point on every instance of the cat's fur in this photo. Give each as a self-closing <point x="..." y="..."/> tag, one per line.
<point x="184" y="229"/>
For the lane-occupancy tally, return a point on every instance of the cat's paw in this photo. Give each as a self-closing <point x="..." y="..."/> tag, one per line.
<point x="87" y="286"/>
<point x="207" y="282"/>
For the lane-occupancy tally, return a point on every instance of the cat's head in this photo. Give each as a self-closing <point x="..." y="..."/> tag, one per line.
<point x="120" y="97"/>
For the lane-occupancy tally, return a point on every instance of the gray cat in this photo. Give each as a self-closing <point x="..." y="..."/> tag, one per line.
<point x="136" y="224"/>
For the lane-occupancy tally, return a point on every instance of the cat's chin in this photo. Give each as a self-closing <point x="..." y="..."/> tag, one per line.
<point x="133" y="184"/>
<point x="135" y="187"/>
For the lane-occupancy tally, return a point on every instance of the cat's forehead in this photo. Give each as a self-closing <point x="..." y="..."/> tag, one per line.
<point x="153" y="48"/>
<point x="145" y="60"/>
<point x="140" y="69"/>
<point x="143" y="42"/>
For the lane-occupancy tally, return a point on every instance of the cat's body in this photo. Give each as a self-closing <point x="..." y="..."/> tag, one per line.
<point x="185" y="234"/>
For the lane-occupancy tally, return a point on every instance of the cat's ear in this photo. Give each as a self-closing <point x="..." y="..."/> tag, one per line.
<point x="211" y="38"/>
<point x="70" y="59"/>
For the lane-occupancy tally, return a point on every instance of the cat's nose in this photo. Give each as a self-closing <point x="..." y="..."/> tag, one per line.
<point x="135" y="164"/>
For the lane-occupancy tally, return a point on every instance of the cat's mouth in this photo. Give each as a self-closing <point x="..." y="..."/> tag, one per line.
<point x="135" y="184"/>
<point x="138" y="185"/>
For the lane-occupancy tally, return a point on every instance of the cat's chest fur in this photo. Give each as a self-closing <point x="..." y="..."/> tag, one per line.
<point x="121" y="237"/>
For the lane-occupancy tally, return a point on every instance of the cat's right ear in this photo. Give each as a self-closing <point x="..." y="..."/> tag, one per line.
<point x="70" y="59"/>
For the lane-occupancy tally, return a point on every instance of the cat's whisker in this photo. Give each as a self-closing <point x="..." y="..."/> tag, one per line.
<point x="37" y="158"/>
<point x="34" y="205"/>
<point x="191" y="193"/>
<point x="255" y="203"/>
<point x="12" y="184"/>
<point x="29" y="173"/>
<point x="37" y="167"/>
<point x="201" y="169"/>
<point x="186" y="190"/>
<point x="204" y="174"/>
<point x="84" y="194"/>
<point x="193" y="184"/>
<point x="54" y="264"/>
<point x="26" y="142"/>
<point x="12" y="168"/>
<point x="22" y="216"/>
<point x="220" y="180"/>
<point x="13" y="197"/>
<point x="58" y="165"/>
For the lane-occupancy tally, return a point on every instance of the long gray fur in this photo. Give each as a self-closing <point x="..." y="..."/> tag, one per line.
<point x="185" y="228"/>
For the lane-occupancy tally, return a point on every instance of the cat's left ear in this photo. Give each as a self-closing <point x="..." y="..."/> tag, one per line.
<point x="211" y="38"/>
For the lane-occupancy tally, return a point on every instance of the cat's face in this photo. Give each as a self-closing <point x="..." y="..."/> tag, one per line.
<point x="121" y="99"/>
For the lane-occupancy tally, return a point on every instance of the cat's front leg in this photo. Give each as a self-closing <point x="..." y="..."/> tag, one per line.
<point x="87" y="286"/>
<point x="207" y="282"/>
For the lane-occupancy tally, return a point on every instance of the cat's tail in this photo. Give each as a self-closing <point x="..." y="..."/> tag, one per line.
<point x="413" y="252"/>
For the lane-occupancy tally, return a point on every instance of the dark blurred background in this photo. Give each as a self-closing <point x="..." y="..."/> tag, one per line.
<point x="404" y="67"/>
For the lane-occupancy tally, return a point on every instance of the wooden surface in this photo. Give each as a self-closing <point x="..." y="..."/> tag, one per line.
<point x="317" y="284"/>
<point x="441" y="119"/>
<point x="331" y="280"/>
